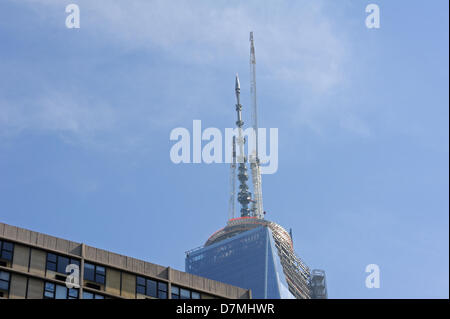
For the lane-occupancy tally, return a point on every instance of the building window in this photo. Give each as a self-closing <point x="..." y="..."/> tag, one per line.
<point x="185" y="294"/>
<point x="6" y="250"/>
<point x="94" y="273"/>
<point x="175" y="292"/>
<point x="195" y="295"/>
<point x="90" y="295"/>
<point x="182" y="293"/>
<point x="4" y="280"/>
<point x="54" y="291"/>
<point x="162" y="290"/>
<point x="59" y="263"/>
<point x="151" y="288"/>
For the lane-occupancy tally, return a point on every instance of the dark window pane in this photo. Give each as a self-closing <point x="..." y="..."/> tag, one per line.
<point x="100" y="279"/>
<point x="140" y="281"/>
<point x="175" y="296"/>
<point x="61" y="292"/>
<point x="48" y="294"/>
<point x="185" y="294"/>
<point x="49" y="286"/>
<point x="51" y="257"/>
<point x="89" y="266"/>
<point x="89" y="272"/>
<point x="162" y="295"/>
<point x="73" y="293"/>
<point x="75" y="262"/>
<point x="195" y="295"/>
<point x="7" y="255"/>
<point x="88" y="295"/>
<point x="175" y="290"/>
<point x="162" y="286"/>
<point x="99" y="297"/>
<point x="100" y="270"/>
<point x="8" y="246"/>
<point x="4" y="275"/>
<point x="4" y="285"/>
<point x="62" y="264"/>
<point x="140" y="289"/>
<point x="51" y="266"/>
<point x="151" y="288"/>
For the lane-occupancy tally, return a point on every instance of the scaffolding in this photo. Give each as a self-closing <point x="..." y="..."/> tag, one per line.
<point x="318" y="284"/>
<point x="297" y="273"/>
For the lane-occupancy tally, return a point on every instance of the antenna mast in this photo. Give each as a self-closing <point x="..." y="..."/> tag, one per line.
<point x="244" y="196"/>
<point x="232" y="202"/>
<point x="257" y="204"/>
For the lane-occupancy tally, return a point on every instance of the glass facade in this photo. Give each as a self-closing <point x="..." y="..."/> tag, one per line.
<point x="248" y="260"/>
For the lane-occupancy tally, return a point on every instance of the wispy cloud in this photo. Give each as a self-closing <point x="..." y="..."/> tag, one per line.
<point x="296" y="40"/>
<point x="297" y="46"/>
<point x="56" y="111"/>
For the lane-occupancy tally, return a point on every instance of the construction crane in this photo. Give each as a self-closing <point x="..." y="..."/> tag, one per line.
<point x="257" y="204"/>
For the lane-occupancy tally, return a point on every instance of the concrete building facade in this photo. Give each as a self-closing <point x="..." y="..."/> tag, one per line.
<point x="33" y="266"/>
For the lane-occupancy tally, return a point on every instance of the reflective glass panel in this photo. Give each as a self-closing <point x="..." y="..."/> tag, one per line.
<point x="151" y="288"/>
<point x="61" y="292"/>
<point x="62" y="264"/>
<point x="88" y="295"/>
<point x="89" y="271"/>
<point x="185" y="294"/>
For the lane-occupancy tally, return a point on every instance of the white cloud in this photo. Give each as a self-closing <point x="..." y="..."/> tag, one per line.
<point x="295" y="40"/>
<point x="54" y="111"/>
<point x="296" y="43"/>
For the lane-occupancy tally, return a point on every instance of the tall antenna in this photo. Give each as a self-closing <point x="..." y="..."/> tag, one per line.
<point x="232" y="202"/>
<point x="244" y="196"/>
<point x="257" y="204"/>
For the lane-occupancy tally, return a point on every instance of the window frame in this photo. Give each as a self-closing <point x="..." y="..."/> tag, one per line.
<point x="71" y="260"/>
<point x="96" y="273"/>
<point x="8" y="281"/>
<point x="175" y="295"/>
<point x="54" y="289"/>
<point x="6" y="250"/>
<point x="94" y="295"/>
<point x="159" y="291"/>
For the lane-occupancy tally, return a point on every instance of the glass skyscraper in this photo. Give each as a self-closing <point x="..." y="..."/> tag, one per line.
<point x="251" y="252"/>
<point x="256" y="254"/>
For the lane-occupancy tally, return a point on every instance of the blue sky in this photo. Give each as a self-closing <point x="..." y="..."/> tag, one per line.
<point x="362" y="114"/>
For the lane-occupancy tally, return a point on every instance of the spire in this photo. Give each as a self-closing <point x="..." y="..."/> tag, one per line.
<point x="244" y="196"/>
<point x="257" y="204"/>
